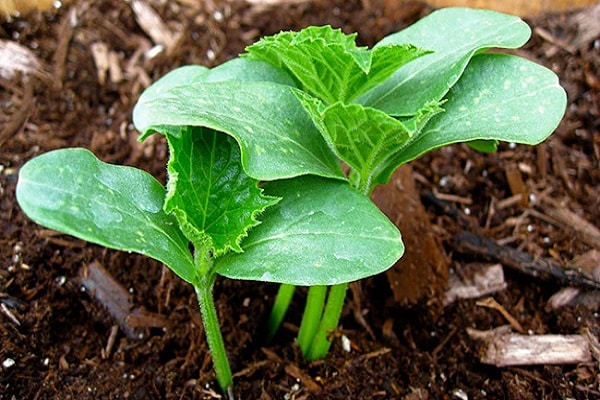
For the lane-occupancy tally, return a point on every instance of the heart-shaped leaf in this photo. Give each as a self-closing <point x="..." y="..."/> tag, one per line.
<point x="209" y="192"/>
<point x="71" y="191"/>
<point x="327" y="63"/>
<point x="322" y="232"/>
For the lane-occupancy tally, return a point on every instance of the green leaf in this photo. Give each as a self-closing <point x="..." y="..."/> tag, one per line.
<point x="484" y="146"/>
<point x="246" y="70"/>
<point x="363" y="138"/>
<point x="327" y="63"/>
<point x="71" y="191"/>
<point x="209" y="192"/>
<point x="238" y="69"/>
<point x="366" y="139"/>
<point x="454" y="35"/>
<point x="181" y="76"/>
<point x="322" y="232"/>
<point x="276" y="136"/>
<point x="499" y="97"/>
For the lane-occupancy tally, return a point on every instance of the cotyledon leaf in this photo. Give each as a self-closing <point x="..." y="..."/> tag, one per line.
<point x="276" y="136"/>
<point x="119" y="207"/>
<point x="322" y="232"/>
<point x="500" y="97"/>
<point x="454" y="35"/>
<point x="238" y="69"/>
<point x="209" y="192"/>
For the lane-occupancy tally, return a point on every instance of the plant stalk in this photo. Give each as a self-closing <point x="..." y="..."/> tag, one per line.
<point x="337" y="295"/>
<point x="210" y="320"/>
<point x="329" y="321"/>
<point x="313" y="312"/>
<point x="280" y="307"/>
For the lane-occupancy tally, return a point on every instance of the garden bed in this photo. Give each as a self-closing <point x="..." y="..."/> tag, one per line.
<point x="58" y="341"/>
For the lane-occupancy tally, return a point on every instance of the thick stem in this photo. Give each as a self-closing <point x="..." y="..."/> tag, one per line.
<point x="331" y="317"/>
<point x="210" y="320"/>
<point x="280" y="307"/>
<point x="311" y="318"/>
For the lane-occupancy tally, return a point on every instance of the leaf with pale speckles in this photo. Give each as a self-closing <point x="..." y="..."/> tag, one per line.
<point x="499" y="97"/>
<point x="454" y="35"/>
<point x="322" y="232"/>
<point x="71" y="191"/>
<point x="250" y="102"/>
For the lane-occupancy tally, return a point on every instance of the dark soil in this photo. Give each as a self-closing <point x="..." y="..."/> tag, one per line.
<point x="58" y="335"/>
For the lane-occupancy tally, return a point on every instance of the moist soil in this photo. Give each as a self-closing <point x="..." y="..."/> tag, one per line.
<point x="58" y="341"/>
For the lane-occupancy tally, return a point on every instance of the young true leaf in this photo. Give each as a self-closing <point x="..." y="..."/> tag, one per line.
<point x="322" y="232"/>
<point x="488" y="103"/>
<point x="454" y="35"/>
<point x="71" y="191"/>
<point x="366" y="139"/>
<point x="327" y="63"/>
<point x="362" y="137"/>
<point x="209" y="192"/>
<point x="276" y="136"/>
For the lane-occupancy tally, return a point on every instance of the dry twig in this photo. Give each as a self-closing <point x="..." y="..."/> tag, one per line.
<point x="491" y="303"/>
<point x="153" y="25"/>
<point x="110" y="294"/>
<point x="487" y="279"/>
<point x="545" y="268"/>
<point x="503" y="348"/>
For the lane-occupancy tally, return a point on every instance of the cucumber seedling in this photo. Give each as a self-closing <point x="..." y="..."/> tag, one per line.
<point x="255" y="185"/>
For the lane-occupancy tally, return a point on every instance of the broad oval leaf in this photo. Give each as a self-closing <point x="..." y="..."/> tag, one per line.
<point x="322" y="232"/>
<point x="276" y="136"/>
<point x="499" y="97"/>
<point x="73" y="192"/>
<point x="246" y="70"/>
<point x="209" y="192"/>
<point x="238" y="69"/>
<point x="178" y="77"/>
<point x="454" y="35"/>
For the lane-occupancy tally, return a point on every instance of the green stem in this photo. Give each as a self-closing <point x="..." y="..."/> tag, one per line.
<point x="330" y="316"/>
<point x="210" y="320"/>
<point x="337" y="295"/>
<point x="280" y="307"/>
<point x="329" y="321"/>
<point x="313" y="312"/>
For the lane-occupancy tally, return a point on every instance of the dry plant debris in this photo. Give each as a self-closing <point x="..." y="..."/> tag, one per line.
<point x="503" y="348"/>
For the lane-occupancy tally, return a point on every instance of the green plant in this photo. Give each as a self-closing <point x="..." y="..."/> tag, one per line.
<point x="290" y="113"/>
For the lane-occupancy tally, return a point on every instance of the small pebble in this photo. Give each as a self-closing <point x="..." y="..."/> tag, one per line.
<point x="530" y="228"/>
<point x="346" y="344"/>
<point x="459" y="394"/>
